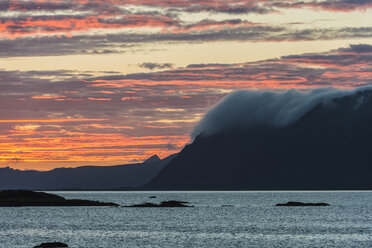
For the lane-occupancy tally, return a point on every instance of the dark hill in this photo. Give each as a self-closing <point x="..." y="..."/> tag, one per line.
<point x="84" y="178"/>
<point x="330" y="147"/>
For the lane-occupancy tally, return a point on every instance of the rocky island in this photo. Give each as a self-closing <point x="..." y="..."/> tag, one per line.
<point x="302" y="204"/>
<point x="25" y="198"/>
<point x="163" y="204"/>
<point x="51" y="245"/>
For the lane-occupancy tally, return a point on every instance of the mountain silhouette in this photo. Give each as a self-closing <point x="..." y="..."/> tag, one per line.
<point x="152" y="159"/>
<point x="85" y="177"/>
<point x="328" y="148"/>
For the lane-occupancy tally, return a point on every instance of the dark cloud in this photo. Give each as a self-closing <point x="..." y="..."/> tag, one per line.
<point x="41" y="28"/>
<point x="350" y="57"/>
<point x="327" y="5"/>
<point x="54" y="46"/>
<point x="119" y="43"/>
<point x="36" y="5"/>
<point x="342" y="5"/>
<point x="258" y="7"/>
<point x="246" y="8"/>
<point x="358" y="48"/>
<point x="210" y="65"/>
<point x="152" y="66"/>
<point x="288" y="71"/>
<point x="230" y="7"/>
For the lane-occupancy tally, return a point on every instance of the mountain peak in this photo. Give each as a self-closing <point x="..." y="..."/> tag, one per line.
<point x="153" y="158"/>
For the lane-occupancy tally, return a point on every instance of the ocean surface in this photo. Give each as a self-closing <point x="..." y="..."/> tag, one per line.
<point x="248" y="220"/>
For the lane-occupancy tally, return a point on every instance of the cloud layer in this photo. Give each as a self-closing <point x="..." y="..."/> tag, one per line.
<point x="47" y="28"/>
<point x="72" y="109"/>
<point x="70" y="116"/>
<point x="252" y="109"/>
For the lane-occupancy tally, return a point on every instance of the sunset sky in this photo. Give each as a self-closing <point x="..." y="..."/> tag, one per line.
<point x="106" y="82"/>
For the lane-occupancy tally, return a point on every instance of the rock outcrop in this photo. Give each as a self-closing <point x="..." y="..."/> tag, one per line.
<point x="51" y="245"/>
<point x="23" y="198"/>
<point x="163" y="204"/>
<point x="302" y="204"/>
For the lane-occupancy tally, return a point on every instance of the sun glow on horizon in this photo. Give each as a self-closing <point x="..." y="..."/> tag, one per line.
<point x="116" y="82"/>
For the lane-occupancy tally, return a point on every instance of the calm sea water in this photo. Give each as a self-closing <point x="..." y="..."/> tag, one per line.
<point x="251" y="221"/>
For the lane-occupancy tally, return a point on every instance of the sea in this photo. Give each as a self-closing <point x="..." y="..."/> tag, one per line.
<point x="218" y="219"/>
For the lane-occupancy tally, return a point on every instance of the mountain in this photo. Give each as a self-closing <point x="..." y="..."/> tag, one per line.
<point x="328" y="148"/>
<point x="152" y="159"/>
<point x="85" y="177"/>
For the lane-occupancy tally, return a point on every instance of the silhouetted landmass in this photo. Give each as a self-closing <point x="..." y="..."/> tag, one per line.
<point x="302" y="204"/>
<point x="51" y="245"/>
<point x="164" y="204"/>
<point x="329" y="147"/>
<point x="120" y="177"/>
<point x="23" y="198"/>
<point x="152" y="197"/>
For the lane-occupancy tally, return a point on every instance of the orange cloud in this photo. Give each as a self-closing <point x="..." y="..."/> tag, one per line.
<point x="99" y="99"/>
<point x="156" y="112"/>
<point x="69" y="25"/>
<point x="51" y="120"/>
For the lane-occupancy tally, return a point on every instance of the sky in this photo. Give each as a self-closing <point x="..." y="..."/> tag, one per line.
<point x="106" y="82"/>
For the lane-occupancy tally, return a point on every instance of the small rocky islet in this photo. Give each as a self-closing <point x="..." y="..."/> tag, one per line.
<point x="163" y="204"/>
<point x="302" y="204"/>
<point x="26" y="198"/>
<point x="52" y="245"/>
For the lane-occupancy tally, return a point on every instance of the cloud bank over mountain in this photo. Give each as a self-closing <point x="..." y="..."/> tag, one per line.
<point x="328" y="148"/>
<point x="112" y="115"/>
<point x="255" y="108"/>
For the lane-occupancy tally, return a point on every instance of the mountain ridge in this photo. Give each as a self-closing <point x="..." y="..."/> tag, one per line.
<point x="84" y="177"/>
<point x="329" y="147"/>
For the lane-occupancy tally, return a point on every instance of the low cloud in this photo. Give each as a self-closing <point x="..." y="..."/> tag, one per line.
<point x="251" y="109"/>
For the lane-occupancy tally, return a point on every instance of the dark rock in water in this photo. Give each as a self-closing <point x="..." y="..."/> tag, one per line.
<point x="51" y="245"/>
<point x="174" y="204"/>
<point x="164" y="204"/>
<point x="23" y="198"/>
<point x="152" y="197"/>
<point x="144" y="205"/>
<point x="302" y="204"/>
